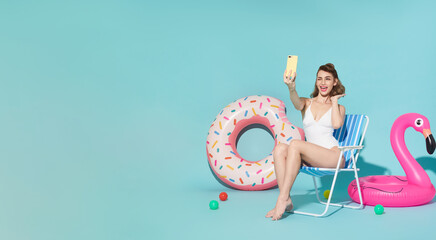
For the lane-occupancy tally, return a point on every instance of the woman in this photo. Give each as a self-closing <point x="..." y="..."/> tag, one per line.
<point x="321" y="114"/>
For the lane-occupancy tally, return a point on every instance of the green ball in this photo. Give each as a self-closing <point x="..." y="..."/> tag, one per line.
<point x="327" y="194"/>
<point x="213" y="205"/>
<point x="379" y="209"/>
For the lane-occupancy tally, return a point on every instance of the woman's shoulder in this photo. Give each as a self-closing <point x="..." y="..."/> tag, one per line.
<point x="306" y="103"/>
<point x="306" y="100"/>
<point x="341" y="108"/>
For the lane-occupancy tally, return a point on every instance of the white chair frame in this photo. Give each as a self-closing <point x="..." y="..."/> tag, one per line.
<point x="337" y="170"/>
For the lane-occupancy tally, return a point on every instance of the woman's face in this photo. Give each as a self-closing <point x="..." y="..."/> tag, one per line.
<point x="325" y="83"/>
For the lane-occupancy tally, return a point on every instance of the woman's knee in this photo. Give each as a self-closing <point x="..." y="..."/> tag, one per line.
<point x="280" y="150"/>
<point x="295" y="145"/>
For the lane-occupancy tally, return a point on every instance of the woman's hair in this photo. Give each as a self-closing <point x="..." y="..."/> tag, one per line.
<point x="338" y="89"/>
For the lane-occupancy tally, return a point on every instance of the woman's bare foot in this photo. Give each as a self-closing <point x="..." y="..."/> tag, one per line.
<point x="289" y="208"/>
<point x="270" y="213"/>
<point x="282" y="205"/>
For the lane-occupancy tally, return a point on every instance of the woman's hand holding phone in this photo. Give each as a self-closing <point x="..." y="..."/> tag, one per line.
<point x="290" y="72"/>
<point x="290" y="79"/>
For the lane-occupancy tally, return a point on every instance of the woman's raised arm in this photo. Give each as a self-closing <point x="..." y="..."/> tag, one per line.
<point x="338" y="112"/>
<point x="290" y="82"/>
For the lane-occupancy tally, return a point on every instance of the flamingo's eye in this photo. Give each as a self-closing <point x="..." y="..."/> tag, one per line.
<point x="419" y="122"/>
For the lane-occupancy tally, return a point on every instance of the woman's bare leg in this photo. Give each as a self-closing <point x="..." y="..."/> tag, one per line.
<point x="279" y="155"/>
<point x="293" y="163"/>
<point x="314" y="155"/>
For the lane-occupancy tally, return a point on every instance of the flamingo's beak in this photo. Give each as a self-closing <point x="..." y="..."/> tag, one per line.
<point x="429" y="140"/>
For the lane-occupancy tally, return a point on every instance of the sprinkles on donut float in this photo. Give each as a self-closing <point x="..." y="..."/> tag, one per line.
<point x="236" y="118"/>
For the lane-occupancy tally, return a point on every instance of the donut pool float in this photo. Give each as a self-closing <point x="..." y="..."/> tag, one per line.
<point x="228" y="167"/>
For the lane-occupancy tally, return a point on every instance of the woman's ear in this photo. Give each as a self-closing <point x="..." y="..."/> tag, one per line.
<point x="336" y="82"/>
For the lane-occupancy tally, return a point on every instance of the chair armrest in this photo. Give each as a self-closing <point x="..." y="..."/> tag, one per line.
<point x="346" y="148"/>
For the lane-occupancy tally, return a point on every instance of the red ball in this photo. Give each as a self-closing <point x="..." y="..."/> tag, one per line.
<point x="223" y="196"/>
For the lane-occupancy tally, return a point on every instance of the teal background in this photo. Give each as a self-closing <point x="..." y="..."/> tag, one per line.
<point x="105" y="108"/>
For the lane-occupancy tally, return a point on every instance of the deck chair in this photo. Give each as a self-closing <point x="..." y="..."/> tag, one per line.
<point x="350" y="137"/>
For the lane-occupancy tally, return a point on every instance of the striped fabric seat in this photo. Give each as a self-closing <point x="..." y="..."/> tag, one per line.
<point x="348" y="135"/>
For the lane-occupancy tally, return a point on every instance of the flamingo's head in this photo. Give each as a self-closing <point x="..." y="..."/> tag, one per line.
<point x="422" y="125"/>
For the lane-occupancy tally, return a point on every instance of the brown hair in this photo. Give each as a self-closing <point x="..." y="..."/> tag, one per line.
<point x="338" y="89"/>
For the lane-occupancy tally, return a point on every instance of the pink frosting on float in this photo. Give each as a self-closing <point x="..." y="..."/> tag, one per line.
<point x="228" y="166"/>
<point x="245" y="123"/>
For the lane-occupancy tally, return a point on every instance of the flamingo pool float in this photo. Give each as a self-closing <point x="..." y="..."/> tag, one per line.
<point x="400" y="191"/>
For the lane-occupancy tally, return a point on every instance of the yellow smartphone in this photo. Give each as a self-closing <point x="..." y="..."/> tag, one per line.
<point x="292" y="64"/>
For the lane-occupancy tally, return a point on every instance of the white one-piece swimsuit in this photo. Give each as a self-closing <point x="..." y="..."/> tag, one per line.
<point x="321" y="132"/>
